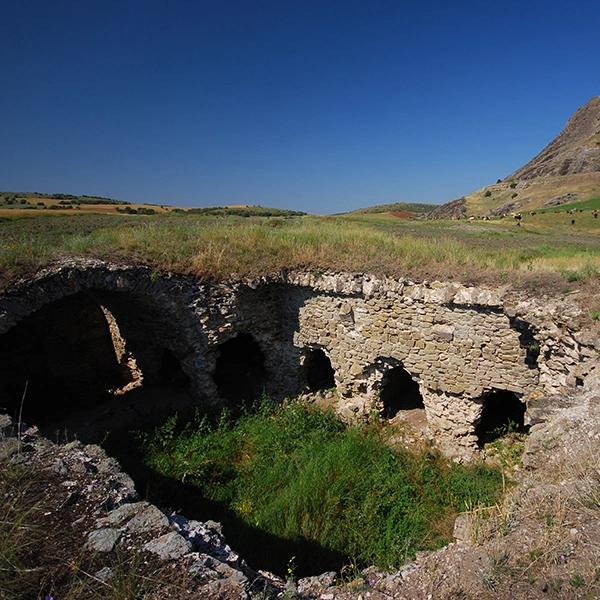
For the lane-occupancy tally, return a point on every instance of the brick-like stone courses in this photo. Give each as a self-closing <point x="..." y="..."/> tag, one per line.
<point x="455" y="354"/>
<point x="457" y="342"/>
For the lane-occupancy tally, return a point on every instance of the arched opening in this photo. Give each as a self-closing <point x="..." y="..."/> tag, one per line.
<point x="87" y="364"/>
<point x="318" y="370"/>
<point x="503" y="412"/>
<point x="399" y="393"/>
<point x="170" y="371"/>
<point x="240" y="373"/>
<point x="58" y="358"/>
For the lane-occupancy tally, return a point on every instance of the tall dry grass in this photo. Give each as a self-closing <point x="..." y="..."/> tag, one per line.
<point x="236" y="246"/>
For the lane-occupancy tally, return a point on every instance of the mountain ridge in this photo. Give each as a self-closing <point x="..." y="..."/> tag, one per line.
<point x="566" y="170"/>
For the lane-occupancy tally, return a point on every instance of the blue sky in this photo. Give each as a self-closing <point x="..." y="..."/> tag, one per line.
<point x="315" y="105"/>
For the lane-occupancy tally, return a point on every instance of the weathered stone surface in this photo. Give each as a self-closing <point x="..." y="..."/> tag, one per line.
<point x="452" y="339"/>
<point x="317" y="583"/>
<point x="204" y="562"/>
<point x="118" y="516"/>
<point x="105" y="574"/>
<point x="148" y="519"/>
<point x="103" y="540"/>
<point x="169" y="546"/>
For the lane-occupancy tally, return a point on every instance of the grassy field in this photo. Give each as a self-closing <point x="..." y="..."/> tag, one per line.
<point x="545" y="250"/>
<point x="301" y="475"/>
<point x="591" y="204"/>
<point x="531" y="194"/>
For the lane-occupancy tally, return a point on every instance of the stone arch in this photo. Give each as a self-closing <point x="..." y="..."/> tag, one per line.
<point x="502" y="411"/>
<point x="399" y="392"/>
<point x="396" y="391"/>
<point x="155" y="317"/>
<point x="318" y="370"/>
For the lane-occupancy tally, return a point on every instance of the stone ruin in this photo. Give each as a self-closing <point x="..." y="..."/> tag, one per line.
<point x="452" y="362"/>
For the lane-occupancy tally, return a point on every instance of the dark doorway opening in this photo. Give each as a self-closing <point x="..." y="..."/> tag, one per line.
<point x="399" y="392"/>
<point x="502" y="413"/>
<point x="170" y="371"/>
<point x="318" y="370"/>
<point x="240" y="372"/>
<point x="65" y="356"/>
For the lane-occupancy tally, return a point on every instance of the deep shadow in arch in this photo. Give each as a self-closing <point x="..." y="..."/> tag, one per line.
<point x="318" y="370"/>
<point x="71" y="359"/>
<point x="170" y="371"/>
<point x="64" y="354"/>
<point x="399" y="392"/>
<point x="240" y="373"/>
<point x="503" y="412"/>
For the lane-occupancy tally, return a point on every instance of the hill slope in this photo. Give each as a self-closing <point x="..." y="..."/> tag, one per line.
<point x="575" y="150"/>
<point x="405" y="209"/>
<point x="566" y="170"/>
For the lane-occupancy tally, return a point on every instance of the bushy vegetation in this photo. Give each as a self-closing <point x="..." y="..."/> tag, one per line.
<point x="299" y="473"/>
<point x="13" y="197"/>
<point x="244" y="211"/>
<point x="414" y="207"/>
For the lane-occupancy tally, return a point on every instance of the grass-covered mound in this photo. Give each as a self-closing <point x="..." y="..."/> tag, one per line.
<point x="300" y="474"/>
<point x="544" y="252"/>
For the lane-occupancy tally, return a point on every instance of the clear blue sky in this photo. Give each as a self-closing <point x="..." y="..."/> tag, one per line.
<point x="315" y="105"/>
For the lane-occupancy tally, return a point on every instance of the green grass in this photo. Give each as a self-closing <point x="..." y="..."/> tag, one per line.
<point x="591" y="204"/>
<point x="302" y="475"/>
<point x="544" y="247"/>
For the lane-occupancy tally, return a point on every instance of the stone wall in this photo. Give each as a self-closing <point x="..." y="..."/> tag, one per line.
<point x="457" y="343"/>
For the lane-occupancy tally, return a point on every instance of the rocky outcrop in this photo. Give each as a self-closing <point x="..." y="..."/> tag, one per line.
<point x="575" y="150"/>
<point x="566" y="170"/>
<point x="111" y="518"/>
<point x="455" y="209"/>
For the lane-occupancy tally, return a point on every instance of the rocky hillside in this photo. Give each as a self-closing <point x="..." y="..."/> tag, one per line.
<point x="566" y="170"/>
<point x="575" y="150"/>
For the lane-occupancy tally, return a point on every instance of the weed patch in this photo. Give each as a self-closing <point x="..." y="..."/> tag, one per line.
<point x="19" y="533"/>
<point x="301" y="474"/>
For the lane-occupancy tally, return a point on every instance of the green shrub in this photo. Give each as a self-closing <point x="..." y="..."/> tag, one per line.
<point x="302" y="475"/>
